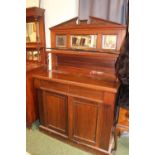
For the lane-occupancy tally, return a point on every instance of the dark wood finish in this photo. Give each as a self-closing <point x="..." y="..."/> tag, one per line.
<point x="34" y="14"/>
<point x="31" y="106"/>
<point x="34" y="11"/>
<point x="96" y="26"/>
<point x="89" y="107"/>
<point x="100" y="64"/>
<point x="55" y="110"/>
<point x="84" y="128"/>
<point x="77" y="98"/>
<point x="92" y="83"/>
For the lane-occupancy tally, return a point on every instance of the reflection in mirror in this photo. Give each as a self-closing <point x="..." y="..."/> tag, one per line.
<point x="60" y="41"/>
<point x="29" y="55"/>
<point x="35" y="55"/>
<point x="32" y="32"/>
<point x="109" y="41"/>
<point x="83" y="41"/>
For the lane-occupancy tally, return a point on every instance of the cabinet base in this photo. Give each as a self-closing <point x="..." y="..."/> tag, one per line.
<point x="80" y="145"/>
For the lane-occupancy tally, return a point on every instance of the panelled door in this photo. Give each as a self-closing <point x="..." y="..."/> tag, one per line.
<point x="56" y="112"/>
<point x="85" y="121"/>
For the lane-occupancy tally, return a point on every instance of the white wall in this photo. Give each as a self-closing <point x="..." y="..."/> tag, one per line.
<point x="31" y="3"/>
<point x="58" y="11"/>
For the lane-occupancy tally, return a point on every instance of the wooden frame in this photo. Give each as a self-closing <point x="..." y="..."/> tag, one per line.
<point x="34" y="65"/>
<point x="109" y="43"/>
<point x="61" y="41"/>
<point x="83" y="41"/>
<point x="97" y="27"/>
<point x="36" y="15"/>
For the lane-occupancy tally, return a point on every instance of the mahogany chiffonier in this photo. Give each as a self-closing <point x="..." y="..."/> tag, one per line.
<point x="77" y="97"/>
<point x="35" y="57"/>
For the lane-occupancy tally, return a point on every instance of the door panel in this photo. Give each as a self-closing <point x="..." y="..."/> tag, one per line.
<point x="85" y="114"/>
<point x="56" y="110"/>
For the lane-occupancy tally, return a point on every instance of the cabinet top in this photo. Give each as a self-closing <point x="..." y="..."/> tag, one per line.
<point x="89" y="81"/>
<point x="34" y="11"/>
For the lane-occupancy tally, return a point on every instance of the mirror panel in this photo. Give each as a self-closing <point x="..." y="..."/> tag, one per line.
<point x="33" y="56"/>
<point x="32" y="32"/>
<point x="29" y="55"/>
<point x="109" y="41"/>
<point x="83" y="41"/>
<point x="36" y="56"/>
<point x="61" y="40"/>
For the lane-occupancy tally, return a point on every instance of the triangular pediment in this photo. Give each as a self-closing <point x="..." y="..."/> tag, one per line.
<point x="70" y="22"/>
<point x="92" y="21"/>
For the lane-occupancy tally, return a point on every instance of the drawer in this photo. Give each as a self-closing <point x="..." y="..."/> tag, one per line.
<point x="54" y="86"/>
<point x="86" y="92"/>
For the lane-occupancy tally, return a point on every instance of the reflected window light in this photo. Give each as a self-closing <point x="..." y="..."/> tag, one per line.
<point x="109" y="41"/>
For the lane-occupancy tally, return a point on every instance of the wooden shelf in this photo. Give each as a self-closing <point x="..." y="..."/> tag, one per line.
<point x="34" y="45"/>
<point x="80" y="52"/>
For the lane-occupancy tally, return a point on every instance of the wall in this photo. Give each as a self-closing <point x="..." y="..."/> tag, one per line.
<point x="30" y="3"/>
<point x="58" y="11"/>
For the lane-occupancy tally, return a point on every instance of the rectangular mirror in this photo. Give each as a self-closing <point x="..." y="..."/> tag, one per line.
<point x="83" y="41"/>
<point x="109" y="41"/>
<point x="32" y="32"/>
<point x="61" y="41"/>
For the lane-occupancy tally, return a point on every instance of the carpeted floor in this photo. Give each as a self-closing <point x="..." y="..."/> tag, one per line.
<point x="38" y="143"/>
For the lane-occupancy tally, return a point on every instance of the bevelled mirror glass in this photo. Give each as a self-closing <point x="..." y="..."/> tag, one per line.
<point x="61" y="41"/>
<point x="109" y="41"/>
<point x="83" y="41"/>
<point x="32" y="32"/>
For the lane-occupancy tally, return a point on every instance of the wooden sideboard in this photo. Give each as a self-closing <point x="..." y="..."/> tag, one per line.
<point x="77" y="108"/>
<point x="77" y="97"/>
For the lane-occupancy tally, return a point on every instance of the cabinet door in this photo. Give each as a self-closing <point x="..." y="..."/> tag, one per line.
<point x="55" y="112"/>
<point x="85" y="118"/>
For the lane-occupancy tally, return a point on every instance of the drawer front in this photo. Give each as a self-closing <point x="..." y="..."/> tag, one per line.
<point x="71" y="90"/>
<point x="55" y="86"/>
<point x="86" y="92"/>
